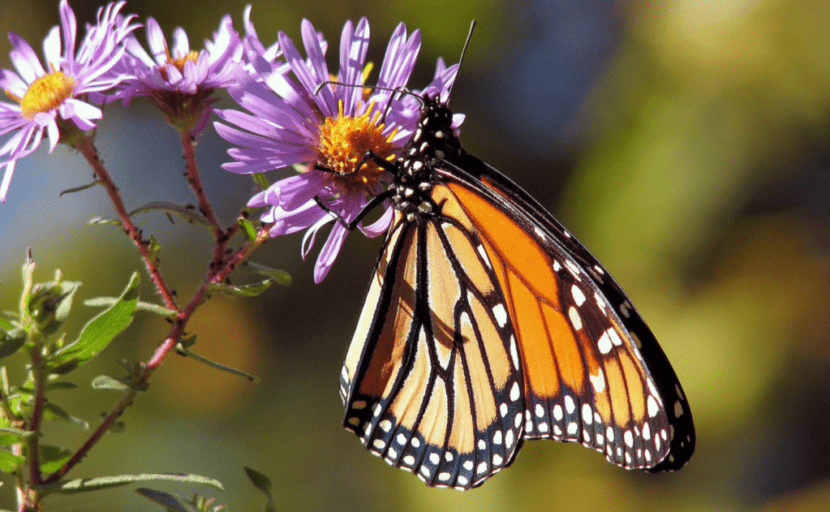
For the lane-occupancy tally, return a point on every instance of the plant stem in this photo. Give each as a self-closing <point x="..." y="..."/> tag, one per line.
<point x="91" y="154"/>
<point x="173" y="337"/>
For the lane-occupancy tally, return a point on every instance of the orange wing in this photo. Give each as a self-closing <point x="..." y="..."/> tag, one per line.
<point x="432" y="379"/>
<point x="480" y="330"/>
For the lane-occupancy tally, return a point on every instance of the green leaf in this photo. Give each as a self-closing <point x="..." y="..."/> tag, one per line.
<point x="187" y="212"/>
<point x="51" y="302"/>
<point x="104" y="221"/>
<point x="28" y="386"/>
<point x="181" y="348"/>
<point x="260" y="180"/>
<point x="28" y="271"/>
<point x="108" y="383"/>
<point x="248" y="230"/>
<point x="11" y="342"/>
<point x="245" y="290"/>
<point x="56" y="413"/>
<point x="153" y="248"/>
<point x="280" y="276"/>
<point x="81" y="188"/>
<point x="9" y="462"/>
<point x="170" y="502"/>
<point x="106" y="482"/>
<point x="100" y="331"/>
<point x="263" y="483"/>
<point x="9" y="435"/>
<point x="55" y="386"/>
<point x="141" y="306"/>
<point x="53" y="457"/>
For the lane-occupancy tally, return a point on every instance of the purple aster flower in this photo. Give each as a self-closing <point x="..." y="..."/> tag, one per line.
<point x="181" y="81"/>
<point x="327" y="126"/>
<point x="48" y="100"/>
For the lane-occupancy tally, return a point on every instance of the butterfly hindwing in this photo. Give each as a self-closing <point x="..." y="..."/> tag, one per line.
<point x="429" y="383"/>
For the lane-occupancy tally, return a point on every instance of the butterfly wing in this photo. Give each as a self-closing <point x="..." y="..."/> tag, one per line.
<point x="593" y="372"/>
<point x="432" y="381"/>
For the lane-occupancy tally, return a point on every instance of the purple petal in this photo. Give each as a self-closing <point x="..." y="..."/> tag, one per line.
<point x="329" y="252"/>
<point x="7" y="179"/>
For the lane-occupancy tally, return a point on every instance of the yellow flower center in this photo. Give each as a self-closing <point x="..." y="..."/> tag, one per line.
<point x="344" y="141"/>
<point x="178" y="62"/>
<point x="46" y="93"/>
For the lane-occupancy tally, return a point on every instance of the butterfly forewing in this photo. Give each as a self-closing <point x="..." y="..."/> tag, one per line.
<point x="593" y="371"/>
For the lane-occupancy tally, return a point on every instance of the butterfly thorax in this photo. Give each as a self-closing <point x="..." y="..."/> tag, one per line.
<point x="434" y="141"/>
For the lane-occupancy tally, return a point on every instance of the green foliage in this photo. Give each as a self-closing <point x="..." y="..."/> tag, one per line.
<point x="248" y="229"/>
<point x="186" y="211"/>
<point x="140" y="306"/>
<point x="108" y="383"/>
<point x="11" y="341"/>
<point x="183" y="348"/>
<point x="244" y="290"/>
<point x="280" y="276"/>
<point x="174" y="503"/>
<point x="106" y="482"/>
<point x="81" y="188"/>
<point x="100" y="331"/>
<point x="53" y="457"/>
<point x="263" y="483"/>
<point x="9" y="462"/>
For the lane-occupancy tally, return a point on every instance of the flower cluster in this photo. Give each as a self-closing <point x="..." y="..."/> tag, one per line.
<point x="295" y="113"/>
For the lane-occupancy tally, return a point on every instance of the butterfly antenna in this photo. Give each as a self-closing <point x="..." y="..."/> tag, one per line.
<point x="461" y="59"/>
<point x="396" y="90"/>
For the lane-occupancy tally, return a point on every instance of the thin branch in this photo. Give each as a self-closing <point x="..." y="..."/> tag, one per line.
<point x="91" y="154"/>
<point x="173" y="337"/>
<point x="38" y="408"/>
<point x="195" y="181"/>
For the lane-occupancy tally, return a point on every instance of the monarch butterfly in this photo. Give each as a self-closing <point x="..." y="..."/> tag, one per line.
<point x="487" y="323"/>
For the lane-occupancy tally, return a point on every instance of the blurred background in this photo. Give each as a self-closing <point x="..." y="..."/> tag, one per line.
<point x="685" y="143"/>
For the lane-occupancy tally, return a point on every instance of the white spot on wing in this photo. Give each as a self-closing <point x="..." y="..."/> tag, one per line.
<point x="483" y="253"/>
<point x="600" y="303"/>
<point x="598" y="381"/>
<point x="587" y="414"/>
<point x="574" y="269"/>
<point x="653" y="407"/>
<point x="578" y="296"/>
<point x="604" y="343"/>
<point x="514" y="353"/>
<point x="570" y="406"/>
<point x="615" y="337"/>
<point x="515" y="393"/>
<point x="501" y="314"/>
<point x="573" y="316"/>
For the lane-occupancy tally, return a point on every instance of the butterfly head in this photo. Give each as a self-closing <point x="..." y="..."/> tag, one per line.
<point x="434" y="137"/>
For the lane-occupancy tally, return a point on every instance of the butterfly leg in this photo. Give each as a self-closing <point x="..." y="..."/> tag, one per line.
<point x="368" y="207"/>
<point x="368" y="156"/>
